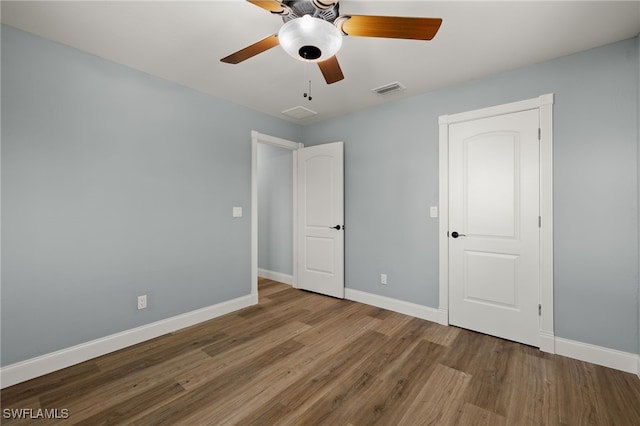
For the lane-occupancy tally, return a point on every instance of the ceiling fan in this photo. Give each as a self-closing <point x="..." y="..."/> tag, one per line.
<point x="313" y="31"/>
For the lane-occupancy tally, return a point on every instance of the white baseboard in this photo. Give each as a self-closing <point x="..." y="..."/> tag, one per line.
<point x="606" y="357"/>
<point x="276" y="276"/>
<point x="35" y="367"/>
<point x="400" y="306"/>
<point x="547" y="342"/>
<point x="443" y="316"/>
<point x="599" y="355"/>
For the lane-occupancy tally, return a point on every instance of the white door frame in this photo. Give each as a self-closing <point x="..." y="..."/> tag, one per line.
<point x="282" y="143"/>
<point x="544" y="104"/>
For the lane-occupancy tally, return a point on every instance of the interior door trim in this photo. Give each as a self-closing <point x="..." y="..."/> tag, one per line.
<point x="256" y="138"/>
<point x="544" y="104"/>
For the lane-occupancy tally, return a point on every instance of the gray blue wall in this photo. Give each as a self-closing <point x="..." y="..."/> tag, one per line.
<point x="391" y="179"/>
<point x="115" y="184"/>
<point x="275" y="209"/>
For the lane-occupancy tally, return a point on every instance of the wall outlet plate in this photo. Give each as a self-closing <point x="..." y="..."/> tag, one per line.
<point x="142" y="302"/>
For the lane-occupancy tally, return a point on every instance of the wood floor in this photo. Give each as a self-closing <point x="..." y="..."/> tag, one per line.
<point x="299" y="358"/>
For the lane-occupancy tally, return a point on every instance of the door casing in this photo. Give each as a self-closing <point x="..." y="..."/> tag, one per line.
<point x="544" y="105"/>
<point x="257" y="138"/>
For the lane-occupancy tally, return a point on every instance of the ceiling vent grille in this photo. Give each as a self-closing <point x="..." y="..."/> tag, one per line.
<point x="388" y="88"/>
<point x="299" y="112"/>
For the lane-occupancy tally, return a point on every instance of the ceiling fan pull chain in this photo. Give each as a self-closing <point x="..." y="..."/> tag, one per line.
<point x="308" y="94"/>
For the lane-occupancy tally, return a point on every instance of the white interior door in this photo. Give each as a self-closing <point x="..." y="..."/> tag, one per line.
<point x="494" y="270"/>
<point x="321" y="219"/>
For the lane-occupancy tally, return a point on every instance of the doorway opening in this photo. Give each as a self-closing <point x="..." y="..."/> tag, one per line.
<point x="270" y="145"/>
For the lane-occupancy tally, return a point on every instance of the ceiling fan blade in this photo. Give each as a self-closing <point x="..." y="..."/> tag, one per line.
<point x="251" y="51"/>
<point x="271" y="5"/>
<point x="389" y="26"/>
<point x="331" y="70"/>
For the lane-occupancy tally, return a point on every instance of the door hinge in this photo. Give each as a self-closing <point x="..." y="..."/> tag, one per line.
<point x="539" y="310"/>
<point x="539" y="134"/>
<point x="539" y="221"/>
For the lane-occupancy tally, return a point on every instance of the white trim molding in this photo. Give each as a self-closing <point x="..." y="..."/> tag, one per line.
<point x="44" y="364"/>
<point x="395" y="305"/>
<point x="256" y="138"/>
<point x="443" y="223"/>
<point x="547" y="342"/>
<point x="593" y="354"/>
<point x="544" y="105"/>
<point x="275" y="276"/>
<point x="546" y="214"/>
<point x="599" y="355"/>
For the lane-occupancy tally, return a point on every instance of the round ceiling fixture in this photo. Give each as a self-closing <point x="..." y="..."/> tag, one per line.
<point x="310" y="39"/>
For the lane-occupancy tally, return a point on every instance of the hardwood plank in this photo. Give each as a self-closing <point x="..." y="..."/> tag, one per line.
<point x="311" y="358"/>
<point x="491" y="379"/>
<point x="577" y="402"/>
<point x="36" y="387"/>
<point x="391" y="323"/>
<point x="127" y="409"/>
<point x="526" y="405"/>
<point x="618" y="398"/>
<point x="439" y="400"/>
<point x="361" y="383"/>
<point x="401" y="382"/>
<point x="63" y="395"/>
<point x="472" y="415"/>
<point x="302" y="358"/>
<point x="234" y="352"/>
<point x="442" y="335"/>
<point x="313" y="385"/>
<point x="106" y="395"/>
<point x="186" y="407"/>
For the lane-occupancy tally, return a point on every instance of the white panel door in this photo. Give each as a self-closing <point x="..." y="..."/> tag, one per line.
<point x="321" y="219"/>
<point x="493" y="226"/>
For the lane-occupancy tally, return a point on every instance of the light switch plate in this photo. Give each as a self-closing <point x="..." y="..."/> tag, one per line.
<point x="237" y="212"/>
<point x="433" y="211"/>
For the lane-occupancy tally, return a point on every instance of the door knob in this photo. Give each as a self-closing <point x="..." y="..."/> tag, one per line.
<point x="454" y="234"/>
<point x="337" y="227"/>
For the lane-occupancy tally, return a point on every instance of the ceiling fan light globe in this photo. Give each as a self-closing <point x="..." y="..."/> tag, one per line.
<point x="310" y="39"/>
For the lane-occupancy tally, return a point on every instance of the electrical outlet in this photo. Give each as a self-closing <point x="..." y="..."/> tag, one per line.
<point x="383" y="279"/>
<point x="142" y="302"/>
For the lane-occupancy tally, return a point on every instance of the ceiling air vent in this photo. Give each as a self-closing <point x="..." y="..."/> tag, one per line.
<point x="299" y="112"/>
<point x="388" y="88"/>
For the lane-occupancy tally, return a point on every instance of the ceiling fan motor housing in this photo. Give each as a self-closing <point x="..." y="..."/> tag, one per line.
<point x="326" y="10"/>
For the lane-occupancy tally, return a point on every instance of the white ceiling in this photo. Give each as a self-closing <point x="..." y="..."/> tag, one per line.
<point x="182" y="41"/>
